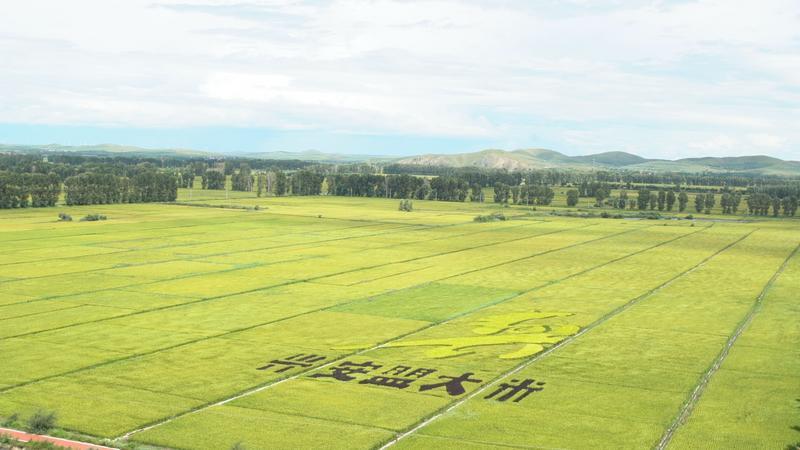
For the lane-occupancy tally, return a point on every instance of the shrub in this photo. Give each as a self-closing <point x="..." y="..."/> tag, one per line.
<point x="41" y="421"/>
<point x="238" y="446"/>
<point x="64" y="217"/>
<point x="690" y="217"/>
<point x="493" y="217"/>
<point x="93" y="218"/>
<point x="406" y="205"/>
<point x="11" y="420"/>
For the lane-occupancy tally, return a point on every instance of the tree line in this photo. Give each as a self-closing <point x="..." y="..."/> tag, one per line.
<point x="94" y="188"/>
<point x="21" y="190"/>
<point x="468" y="185"/>
<point x="761" y="204"/>
<point x="403" y="186"/>
<point x="618" y="179"/>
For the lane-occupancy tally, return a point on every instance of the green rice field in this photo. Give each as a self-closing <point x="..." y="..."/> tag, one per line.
<point x="343" y="323"/>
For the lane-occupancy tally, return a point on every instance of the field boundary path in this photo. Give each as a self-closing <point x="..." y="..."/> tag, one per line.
<point x="24" y="436"/>
<point x="697" y="392"/>
<point x="616" y="311"/>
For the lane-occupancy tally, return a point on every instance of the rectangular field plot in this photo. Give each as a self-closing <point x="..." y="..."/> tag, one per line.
<point x="328" y="322"/>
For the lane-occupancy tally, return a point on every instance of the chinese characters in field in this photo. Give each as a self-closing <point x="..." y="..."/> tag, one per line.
<point x="419" y="379"/>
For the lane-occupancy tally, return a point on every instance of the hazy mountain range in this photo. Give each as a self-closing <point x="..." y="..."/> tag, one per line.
<point x="542" y="158"/>
<point x="497" y="159"/>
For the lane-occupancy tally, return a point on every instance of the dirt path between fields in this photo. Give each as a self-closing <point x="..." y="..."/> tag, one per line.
<point x="66" y="443"/>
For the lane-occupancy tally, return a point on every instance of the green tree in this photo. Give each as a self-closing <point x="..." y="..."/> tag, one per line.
<point x="789" y="206"/>
<point x="670" y="199"/>
<point x="726" y="203"/>
<point x="280" y="183"/>
<point x="213" y="179"/>
<point x="643" y="198"/>
<point x="476" y="192"/>
<point x="683" y="201"/>
<point x="600" y="194"/>
<point x="572" y="197"/>
<point x="653" y="200"/>
<point x="242" y="180"/>
<point x="776" y="206"/>
<point x="622" y="201"/>
<point x="699" y="202"/>
<point x="501" y="192"/>
<point x="261" y="184"/>
<point x="709" y="202"/>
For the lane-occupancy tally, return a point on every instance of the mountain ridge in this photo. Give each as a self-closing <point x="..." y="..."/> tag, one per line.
<point x="537" y="158"/>
<point x="519" y="159"/>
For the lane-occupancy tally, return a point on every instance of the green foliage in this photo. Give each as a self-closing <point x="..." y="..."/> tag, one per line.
<point x="20" y="190"/>
<point x="242" y="180"/>
<point x="146" y="186"/>
<point x="572" y="197"/>
<point x="64" y="217"/>
<point x="41" y="421"/>
<point x="10" y="421"/>
<point x="406" y="205"/>
<point x="493" y="217"/>
<point x="281" y="183"/>
<point x="213" y="179"/>
<point x="93" y="218"/>
<point x="683" y="200"/>
<point x="306" y="182"/>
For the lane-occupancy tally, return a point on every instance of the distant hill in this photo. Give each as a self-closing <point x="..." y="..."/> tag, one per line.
<point x="108" y="150"/>
<point x="127" y="150"/>
<point x="534" y="158"/>
<point x="544" y="159"/>
<point x="316" y="156"/>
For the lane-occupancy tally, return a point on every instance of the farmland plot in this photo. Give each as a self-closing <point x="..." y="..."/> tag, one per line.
<point x="344" y="323"/>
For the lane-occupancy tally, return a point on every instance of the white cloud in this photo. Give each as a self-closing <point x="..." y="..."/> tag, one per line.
<point x="767" y="141"/>
<point x="705" y="75"/>
<point x="715" y="144"/>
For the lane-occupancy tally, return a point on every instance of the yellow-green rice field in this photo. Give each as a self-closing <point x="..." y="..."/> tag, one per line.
<point x="328" y="323"/>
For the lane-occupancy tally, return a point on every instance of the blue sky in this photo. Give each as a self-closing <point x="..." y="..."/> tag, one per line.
<point x="663" y="79"/>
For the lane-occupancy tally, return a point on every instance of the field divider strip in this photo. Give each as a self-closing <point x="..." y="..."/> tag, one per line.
<point x="272" y="383"/>
<point x="22" y="316"/>
<point x="688" y="406"/>
<point x="601" y="320"/>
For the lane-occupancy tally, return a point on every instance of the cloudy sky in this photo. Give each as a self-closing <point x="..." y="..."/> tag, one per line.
<point x="658" y="78"/>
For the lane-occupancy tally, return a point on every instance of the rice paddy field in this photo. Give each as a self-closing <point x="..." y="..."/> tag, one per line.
<point x="326" y="322"/>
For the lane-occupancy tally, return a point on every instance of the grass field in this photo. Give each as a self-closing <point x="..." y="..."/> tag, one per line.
<point x="327" y="322"/>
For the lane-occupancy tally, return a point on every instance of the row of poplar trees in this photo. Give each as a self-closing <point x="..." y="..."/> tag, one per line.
<point x="21" y="190"/>
<point x="95" y="188"/>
